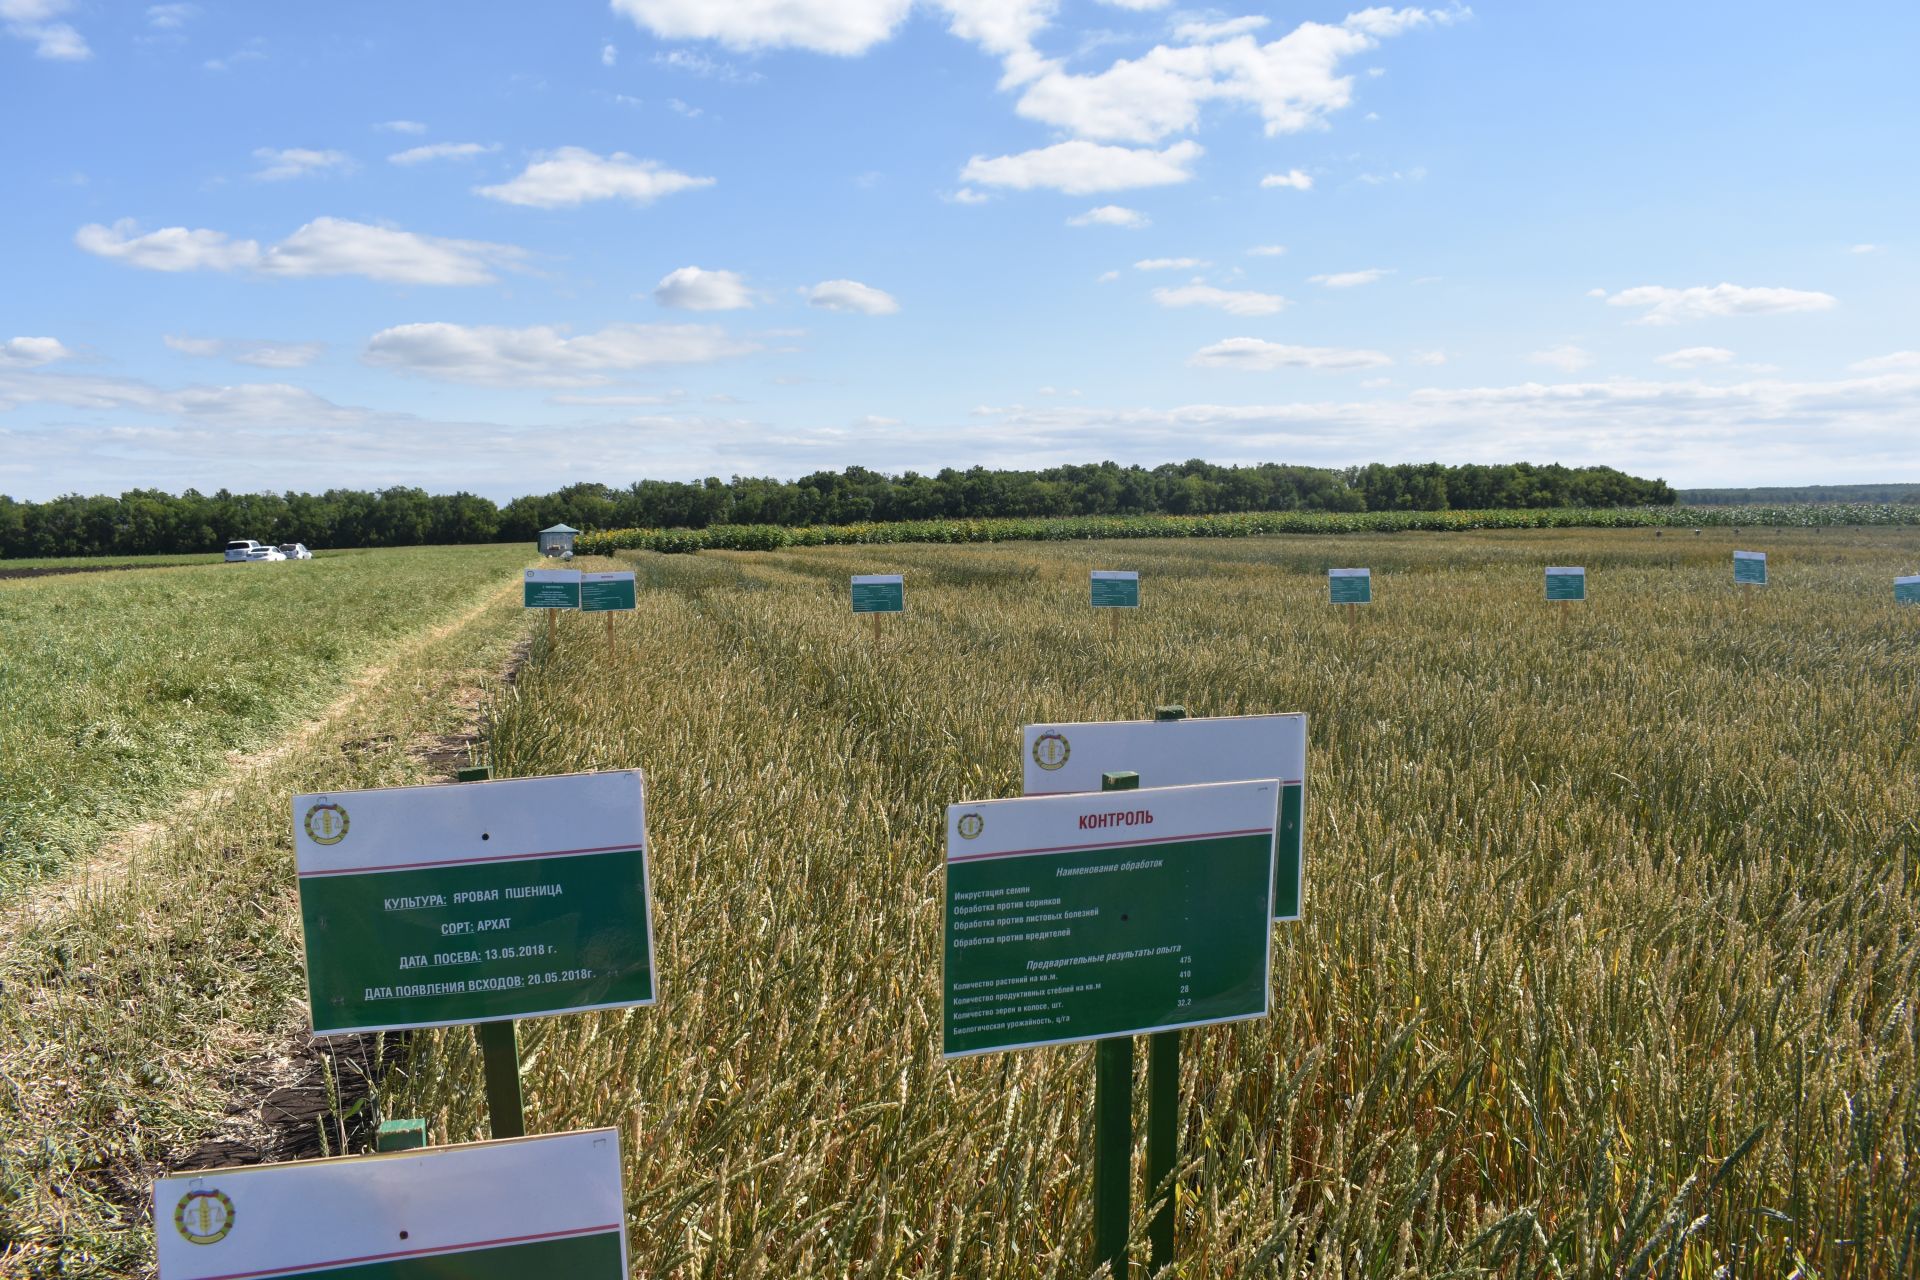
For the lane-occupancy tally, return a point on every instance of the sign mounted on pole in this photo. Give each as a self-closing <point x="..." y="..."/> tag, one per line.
<point x="600" y="592"/>
<point x="548" y="1206"/>
<point x="1060" y="758"/>
<point x="1350" y="586"/>
<point x="1566" y="583"/>
<point x="1907" y="590"/>
<point x="879" y="593"/>
<point x="1116" y="589"/>
<point x="551" y="589"/>
<point x="1078" y="917"/>
<point x="432" y="906"/>
<point x="1750" y="567"/>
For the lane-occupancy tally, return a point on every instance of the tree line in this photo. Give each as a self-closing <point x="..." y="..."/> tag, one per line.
<point x="148" y="521"/>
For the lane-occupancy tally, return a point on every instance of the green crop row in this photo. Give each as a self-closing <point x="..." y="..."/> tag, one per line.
<point x="768" y="537"/>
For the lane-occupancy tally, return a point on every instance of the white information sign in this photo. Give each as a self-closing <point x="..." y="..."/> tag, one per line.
<point x="1058" y="758"/>
<point x="526" y="1207"/>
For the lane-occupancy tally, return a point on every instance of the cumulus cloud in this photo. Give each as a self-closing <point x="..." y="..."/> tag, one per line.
<point x="1259" y="355"/>
<point x="825" y="26"/>
<point x="1297" y="179"/>
<point x="1111" y="215"/>
<point x="1233" y="302"/>
<point x="851" y="295"/>
<point x="1566" y="356"/>
<point x="1170" y="264"/>
<point x="29" y="353"/>
<point x="1079" y="167"/>
<point x="574" y="175"/>
<point x="1350" y="279"/>
<point x="696" y="289"/>
<point x="323" y="247"/>
<point x="442" y="151"/>
<point x="544" y="355"/>
<point x="1895" y="362"/>
<point x="261" y="355"/>
<point x="1660" y="305"/>
<point x="280" y="163"/>
<point x="33" y="21"/>
<point x="1695" y="357"/>
<point x="1206" y="32"/>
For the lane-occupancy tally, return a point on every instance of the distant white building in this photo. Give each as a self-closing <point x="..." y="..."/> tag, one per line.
<point x="557" y="541"/>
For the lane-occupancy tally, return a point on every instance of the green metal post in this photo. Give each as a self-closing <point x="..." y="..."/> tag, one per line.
<point x="1163" y="1118"/>
<point x="499" y="1046"/>
<point x="401" y="1135"/>
<point x="1113" y="1126"/>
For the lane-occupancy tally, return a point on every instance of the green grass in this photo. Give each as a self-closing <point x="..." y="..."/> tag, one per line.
<point x="85" y="562"/>
<point x="121" y="691"/>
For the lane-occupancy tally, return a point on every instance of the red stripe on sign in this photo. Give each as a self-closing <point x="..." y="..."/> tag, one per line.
<point x="418" y="1253"/>
<point x="1112" y="844"/>
<point x="463" y="862"/>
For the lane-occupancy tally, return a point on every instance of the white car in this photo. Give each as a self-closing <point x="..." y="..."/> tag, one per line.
<point x="247" y="551"/>
<point x="295" y="551"/>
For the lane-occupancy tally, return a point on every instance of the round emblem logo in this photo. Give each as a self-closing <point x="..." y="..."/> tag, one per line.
<point x="1050" y="751"/>
<point x="971" y="825"/>
<point x="204" y="1217"/>
<point x="326" y="823"/>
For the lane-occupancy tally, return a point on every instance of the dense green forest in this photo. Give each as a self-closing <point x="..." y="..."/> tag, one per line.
<point x="1787" y="495"/>
<point x="147" y="522"/>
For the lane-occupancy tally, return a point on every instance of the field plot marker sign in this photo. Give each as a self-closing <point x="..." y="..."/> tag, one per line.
<point x="1566" y="583"/>
<point x="1115" y="589"/>
<point x="608" y="593"/>
<point x="1750" y="568"/>
<point x="1059" y="758"/>
<point x="433" y="906"/>
<point x="1907" y="590"/>
<point x="878" y="593"/>
<point x="1350" y="587"/>
<point x="552" y="590"/>
<point x="549" y="1206"/>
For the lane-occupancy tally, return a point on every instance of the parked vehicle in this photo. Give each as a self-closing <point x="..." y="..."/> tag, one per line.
<point x="295" y="551"/>
<point x="247" y="551"/>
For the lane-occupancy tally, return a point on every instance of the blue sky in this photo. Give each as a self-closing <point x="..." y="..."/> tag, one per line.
<point x="503" y="247"/>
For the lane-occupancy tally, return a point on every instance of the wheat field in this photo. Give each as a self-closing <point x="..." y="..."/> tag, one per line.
<point x="1612" y="933"/>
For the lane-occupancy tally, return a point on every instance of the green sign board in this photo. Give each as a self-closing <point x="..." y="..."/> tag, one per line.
<point x="879" y="593"/>
<point x="546" y="1206"/>
<point x="551" y="589"/>
<point x="1566" y="583"/>
<point x="1114" y="589"/>
<point x="601" y="592"/>
<point x="1907" y="590"/>
<point x="1116" y="913"/>
<point x="429" y="906"/>
<point x="1350" y="586"/>
<point x="1750" y="567"/>
<point x="1062" y="758"/>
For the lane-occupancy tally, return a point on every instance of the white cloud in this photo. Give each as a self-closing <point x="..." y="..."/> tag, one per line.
<point x="1896" y="362"/>
<point x="574" y="175"/>
<point x="401" y="126"/>
<point x="1415" y="174"/>
<point x="699" y="64"/>
<point x="323" y="247"/>
<point x="1205" y="32"/>
<point x="1106" y="277"/>
<point x="1259" y="355"/>
<point x="1297" y="179"/>
<point x="298" y="162"/>
<point x="680" y="108"/>
<point x="543" y="355"/>
<point x="28" y="353"/>
<point x="1266" y="251"/>
<point x="1865" y="248"/>
<point x="1233" y="302"/>
<point x="1350" y="279"/>
<point x="1079" y="167"/>
<point x="1565" y="356"/>
<point x="442" y="151"/>
<point x="33" y="21"/>
<point x="617" y="401"/>
<point x="167" y="17"/>
<point x="825" y="26"/>
<point x="1432" y="358"/>
<point x="695" y="289"/>
<point x="967" y="195"/>
<point x="1170" y="264"/>
<point x="1138" y="6"/>
<point x="1661" y="305"/>
<point x="1695" y="357"/>
<point x="1111" y="215"/>
<point x="851" y="295"/>
<point x="608" y="55"/>
<point x="261" y="355"/>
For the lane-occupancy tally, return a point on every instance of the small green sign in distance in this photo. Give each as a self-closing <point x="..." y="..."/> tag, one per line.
<point x="430" y="906"/>
<point x="1350" y="586"/>
<point x="605" y="592"/>
<point x="551" y="589"/>
<point x="1115" y="589"/>
<point x="879" y="593"/>
<point x="1750" y="567"/>
<point x="1907" y="590"/>
<point x="1058" y="759"/>
<point x="546" y="1206"/>
<point x="1564" y="583"/>
<point x="1078" y="917"/>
